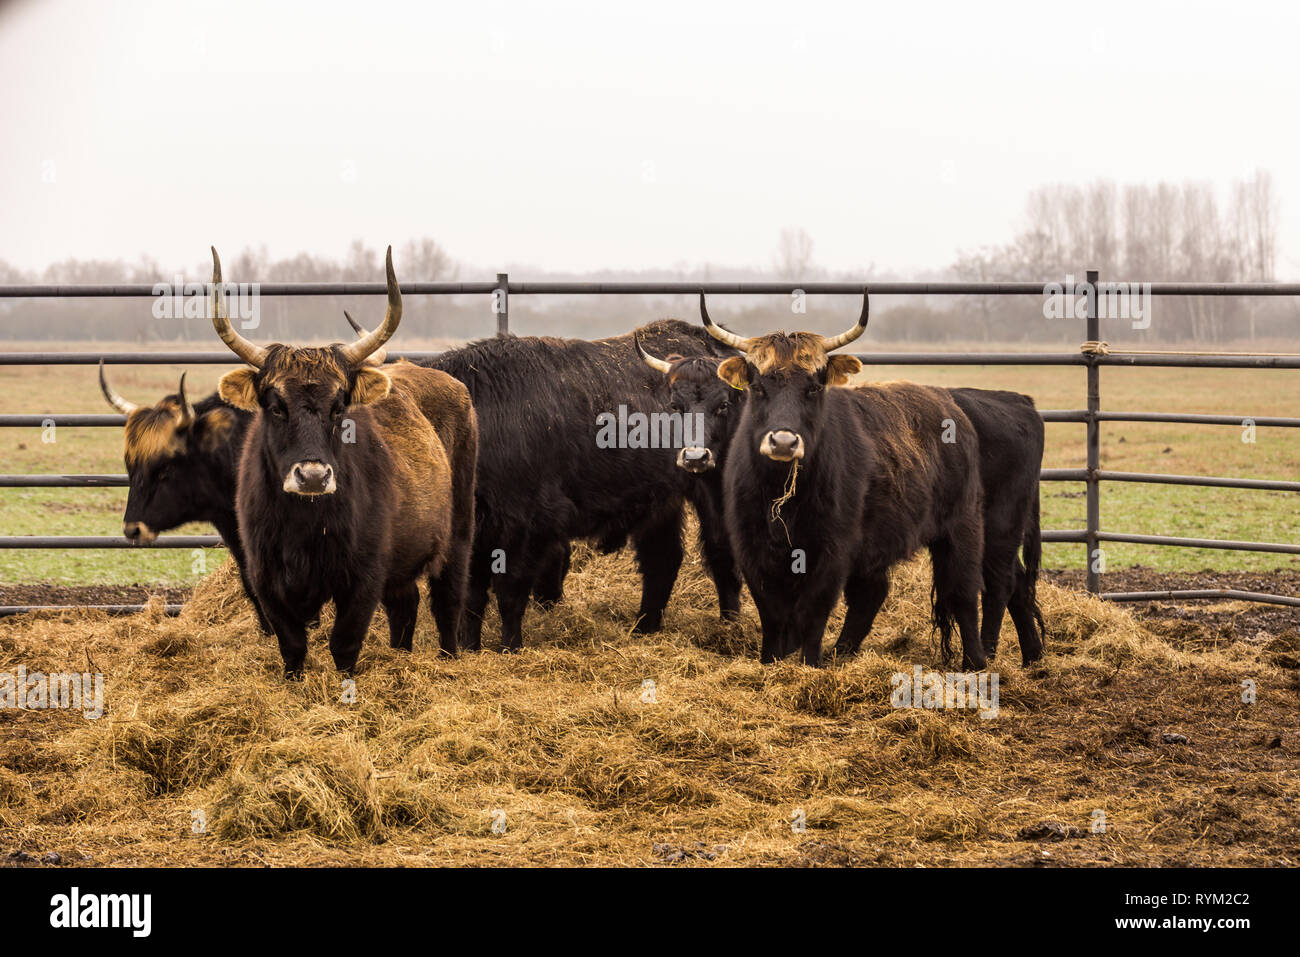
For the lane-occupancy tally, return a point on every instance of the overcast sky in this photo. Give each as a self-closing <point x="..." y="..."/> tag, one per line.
<point x="610" y="135"/>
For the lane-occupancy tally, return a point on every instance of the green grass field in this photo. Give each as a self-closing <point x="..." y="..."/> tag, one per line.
<point x="1211" y="450"/>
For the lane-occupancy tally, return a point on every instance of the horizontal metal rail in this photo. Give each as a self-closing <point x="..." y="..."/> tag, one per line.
<point x="1134" y="359"/>
<point x="107" y="541"/>
<point x="70" y="421"/>
<point x="1187" y="418"/>
<point x="1230" y="594"/>
<point x="63" y="481"/>
<point x="108" y="420"/>
<point x="1162" y="478"/>
<point x="1047" y="475"/>
<point x="652" y="288"/>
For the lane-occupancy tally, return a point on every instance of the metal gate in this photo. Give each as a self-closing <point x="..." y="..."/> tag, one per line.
<point x="1092" y="356"/>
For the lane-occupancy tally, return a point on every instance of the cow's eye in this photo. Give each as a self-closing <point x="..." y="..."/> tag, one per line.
<point x="277" y="409"/>
<point x="758" y="391"/>
<point x="724" y="408"/>
<point x="814" y="389"/>
<point x="338" y="408"/>
<point x="675" y="407"/>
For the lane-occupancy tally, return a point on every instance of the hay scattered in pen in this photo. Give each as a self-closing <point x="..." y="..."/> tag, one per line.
<point x="565" y="755"/>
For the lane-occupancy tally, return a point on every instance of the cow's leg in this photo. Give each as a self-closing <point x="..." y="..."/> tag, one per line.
<point x="512" y="601"/>
<point x="476" y="599"/>
<point x="352" y="615"/>
<point x="721" y="563"/>
<point x="999" y="575"/>
<point x="229" y="532"/>
<point x="659" y="558"/>
<point x="807" y="624"/>
<point x="290" y="633"/>
<point x="957" y="562"/>
<point x="512" y="582"/>
<point x="863" y="596"/>
<point x="772" y="611"/>
<point x="447" y="592"/>
<point x="1027" y="618"/>
<point x="549" y="587"/>
<point x="402" y="606"/>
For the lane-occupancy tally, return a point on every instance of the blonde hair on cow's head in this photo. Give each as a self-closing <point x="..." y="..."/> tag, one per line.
<point x="777" y="351"/>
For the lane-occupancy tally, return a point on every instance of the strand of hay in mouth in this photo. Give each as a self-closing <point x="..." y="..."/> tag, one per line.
<point x="791" y="480"/>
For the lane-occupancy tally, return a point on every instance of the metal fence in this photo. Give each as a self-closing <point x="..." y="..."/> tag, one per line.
<point x="1092" y="356"/>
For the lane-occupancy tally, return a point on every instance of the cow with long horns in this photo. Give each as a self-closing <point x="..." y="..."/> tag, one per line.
<point x="181" y="463"/>
<point x="346" y="489"/>
<point x="182" y="460"/>
<point x="1010" y="434"/>
<point x="826" y="488"/>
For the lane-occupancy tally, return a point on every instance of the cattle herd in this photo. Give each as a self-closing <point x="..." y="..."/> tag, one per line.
<point x="333" y="475"/>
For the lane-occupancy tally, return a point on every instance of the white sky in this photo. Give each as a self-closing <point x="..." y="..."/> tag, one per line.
<point x="609" y="135"/>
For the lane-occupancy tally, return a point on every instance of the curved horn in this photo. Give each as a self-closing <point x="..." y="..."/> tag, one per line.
<point x="844" y="338"/>
<point x="357" y="352"/>
<point x="254" y="355"/>
<point x="652" y="361"/>
<point x="187" y="410"/>
<point x="115" y="400"/>
<point x="378" y="357"/>
<point x="722" y="335"/>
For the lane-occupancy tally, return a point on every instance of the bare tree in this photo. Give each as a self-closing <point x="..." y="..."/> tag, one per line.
<point x="794" y="253"/>
<point x="1255" y="216"/>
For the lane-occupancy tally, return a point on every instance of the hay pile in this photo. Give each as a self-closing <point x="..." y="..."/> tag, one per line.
<point x="563" y="755"/>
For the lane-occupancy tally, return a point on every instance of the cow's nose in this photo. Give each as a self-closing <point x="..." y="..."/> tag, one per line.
<point x="695" y="459"/>
<point x="138" y="533"/>
<point x="782" y="445"/>
<point x="310" y="478"/>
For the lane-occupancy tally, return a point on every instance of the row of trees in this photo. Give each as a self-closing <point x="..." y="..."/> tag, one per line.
<point x="1165" y="233"/>
<point x="1162" y="232"/>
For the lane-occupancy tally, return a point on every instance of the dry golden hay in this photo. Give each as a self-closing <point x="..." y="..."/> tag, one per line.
<point x="598" y="746"/>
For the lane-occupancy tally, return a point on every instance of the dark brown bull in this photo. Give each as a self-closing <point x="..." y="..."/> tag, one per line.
<point x="347" y="486"/>
<point x="826" y="488"/>
<point x="1010" y="434"/>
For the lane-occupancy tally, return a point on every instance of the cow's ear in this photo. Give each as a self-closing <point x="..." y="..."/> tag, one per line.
<point x="371" y="385"/>
<point x="735" y="372"/>
<point x="239" y="389"/>
<point x="840" y="369"/>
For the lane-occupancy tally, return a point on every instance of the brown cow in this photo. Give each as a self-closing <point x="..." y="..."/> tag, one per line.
<point x="354" y="482"/>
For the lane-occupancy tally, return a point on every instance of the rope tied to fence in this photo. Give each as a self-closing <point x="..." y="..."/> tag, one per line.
<point x="1095" y="348"/>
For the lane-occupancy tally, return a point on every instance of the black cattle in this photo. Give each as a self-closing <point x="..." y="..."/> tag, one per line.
<point x="544" y="480"/>
<point x="826" y="488"/>
<point x="345" y="489"/>
<point x="181" y="462"/>
<point x="1010" y="434"/>
<point x="1011" y="437"/>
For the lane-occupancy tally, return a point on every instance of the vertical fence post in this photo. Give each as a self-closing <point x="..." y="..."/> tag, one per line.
<point x="1094" y="439"/>
<point x="502" y="302"/>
